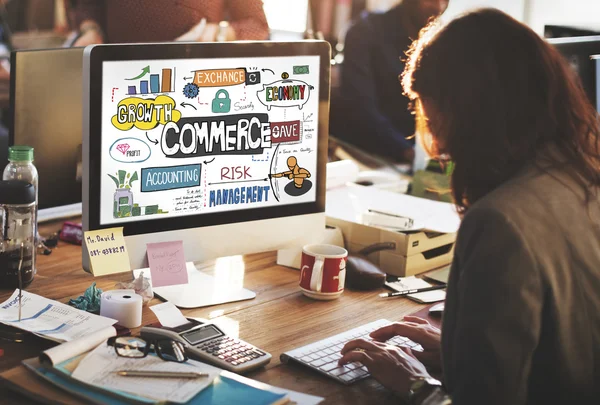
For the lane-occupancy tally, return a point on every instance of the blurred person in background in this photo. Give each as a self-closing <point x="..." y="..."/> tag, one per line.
<point x="371" y="111"/>
<point x="131" y="21"/>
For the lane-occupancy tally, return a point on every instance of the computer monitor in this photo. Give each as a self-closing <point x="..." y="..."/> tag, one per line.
<point x="596" y="59"/>
<point x="578" y="52"/>
<point x="46" y="114"/>
<point x="220" y="145"/>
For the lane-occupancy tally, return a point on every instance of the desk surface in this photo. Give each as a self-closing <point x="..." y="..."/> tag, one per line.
<point x="280" y="318"/>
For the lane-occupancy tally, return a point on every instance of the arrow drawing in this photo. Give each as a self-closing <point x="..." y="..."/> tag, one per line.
<point x="238" y="181"/>
<point x="154" y="142"/>
<point x="274" y="160"/>
<point x="210" y="161"/>
<point x="184" y="104"/>
<point x="264" y="70"/>
<point x="145" y="71"/>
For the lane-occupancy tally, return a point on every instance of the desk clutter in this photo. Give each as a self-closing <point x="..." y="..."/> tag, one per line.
<point x="182" y="363"/>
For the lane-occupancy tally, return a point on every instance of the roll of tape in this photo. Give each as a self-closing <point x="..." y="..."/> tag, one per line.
<point x="123" y="305"/>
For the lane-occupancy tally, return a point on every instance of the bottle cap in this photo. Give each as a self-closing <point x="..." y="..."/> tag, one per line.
<point x="16" y="192"/>
<point x="20" y="153"/>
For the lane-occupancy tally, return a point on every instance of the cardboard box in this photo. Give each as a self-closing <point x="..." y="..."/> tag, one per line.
<point x="415" y="252"/>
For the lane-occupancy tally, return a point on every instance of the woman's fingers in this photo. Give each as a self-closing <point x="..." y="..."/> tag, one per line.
<point x="359" y="344"/>
<point x="356" y="355"/>
<point x="412" y="331"/>
<point x="407" y="351"/>
<point x="415" y="319"/>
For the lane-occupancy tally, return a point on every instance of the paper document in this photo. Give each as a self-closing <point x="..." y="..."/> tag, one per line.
<point x="51" y="319"/>
<point x="407" y="283"/>
<point x="99" y="368"/>
<point x="168" y="315"/>
<point x="427" y="297"/>
<point x="68" y="350"/>
<point x="350" y="202"/>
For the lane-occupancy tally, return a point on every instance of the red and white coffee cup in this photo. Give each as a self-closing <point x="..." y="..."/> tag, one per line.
<point x="323" y="271"/>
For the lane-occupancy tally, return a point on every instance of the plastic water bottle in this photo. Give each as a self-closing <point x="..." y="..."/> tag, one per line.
<point x="20" y="167"/>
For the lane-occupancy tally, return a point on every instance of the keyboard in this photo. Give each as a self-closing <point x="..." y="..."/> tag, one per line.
<point x="323" y="355"/>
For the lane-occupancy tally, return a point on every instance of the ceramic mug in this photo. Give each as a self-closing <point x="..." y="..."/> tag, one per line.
<point x="323" y="271"/>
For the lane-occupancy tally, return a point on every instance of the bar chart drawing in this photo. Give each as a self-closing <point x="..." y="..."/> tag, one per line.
<point x="158" y="83"/>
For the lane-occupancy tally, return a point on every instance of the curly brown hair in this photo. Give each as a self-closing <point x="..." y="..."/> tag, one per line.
<point x="492" y="96"/>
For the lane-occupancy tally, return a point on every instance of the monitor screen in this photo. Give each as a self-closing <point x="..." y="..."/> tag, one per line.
<point x="597" y="62"/>
<point x="578" y="51"/>
<point x="195" y="141"/>
<point x="44" y="111"/>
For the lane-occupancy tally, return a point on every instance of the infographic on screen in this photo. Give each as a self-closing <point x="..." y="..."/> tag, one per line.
<point x="195" y="136"/>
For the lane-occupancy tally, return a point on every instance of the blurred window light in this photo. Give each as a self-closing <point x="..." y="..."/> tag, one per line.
<point x="286" y="15"/>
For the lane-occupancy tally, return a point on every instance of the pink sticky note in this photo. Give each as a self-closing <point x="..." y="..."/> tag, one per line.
<point x="167" y="263"/>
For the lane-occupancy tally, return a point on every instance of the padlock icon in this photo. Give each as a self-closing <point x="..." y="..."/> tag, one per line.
<point x="221" y="104"/>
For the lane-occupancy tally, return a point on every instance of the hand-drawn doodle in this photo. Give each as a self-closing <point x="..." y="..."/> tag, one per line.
<point x="145" y="114"/>
<point x="285" y="132"/>
<point x="123" y="201"/>
<point x="129" y="150"/>
<point x="155" y="85"/>
<point x="284" y="93"/>
<point x="299" y="176"/>
<point x="221" y="104"/>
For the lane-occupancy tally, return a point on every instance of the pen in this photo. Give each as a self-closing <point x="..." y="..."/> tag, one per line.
<point x="160" y="374"/>
<point x="414" y="290"/>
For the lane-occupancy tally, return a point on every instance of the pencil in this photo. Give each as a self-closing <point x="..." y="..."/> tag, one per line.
<point x="160" y="374"/>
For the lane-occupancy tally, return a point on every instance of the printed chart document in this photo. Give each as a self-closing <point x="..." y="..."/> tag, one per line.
<point x="51" y="319"/>
<point x="99" y="367"/>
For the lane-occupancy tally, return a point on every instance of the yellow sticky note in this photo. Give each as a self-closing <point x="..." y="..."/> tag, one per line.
<point x="108" y="251"/>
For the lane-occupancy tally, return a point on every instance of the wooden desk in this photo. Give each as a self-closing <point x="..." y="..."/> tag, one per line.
<point x="280" y="318"/>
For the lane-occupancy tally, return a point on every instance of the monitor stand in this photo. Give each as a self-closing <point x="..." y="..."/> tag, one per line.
<point x="226" y="285"/>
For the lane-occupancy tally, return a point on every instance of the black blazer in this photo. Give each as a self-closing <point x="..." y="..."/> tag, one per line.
<point x="522" y="317"/>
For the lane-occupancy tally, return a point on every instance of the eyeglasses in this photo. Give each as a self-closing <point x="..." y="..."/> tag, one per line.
<point x="135" y="347"/>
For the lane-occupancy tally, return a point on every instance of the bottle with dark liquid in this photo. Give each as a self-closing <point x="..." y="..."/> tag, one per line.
<point x="17" y="233"/>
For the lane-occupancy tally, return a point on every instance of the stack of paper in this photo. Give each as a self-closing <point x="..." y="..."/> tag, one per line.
<point x="51" y="319"/>
<point x="100" y="366"/>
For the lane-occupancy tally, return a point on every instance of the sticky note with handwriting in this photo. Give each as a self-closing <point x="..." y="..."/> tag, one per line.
<point x="108" y="251"/>
<point x="167" y="263"/>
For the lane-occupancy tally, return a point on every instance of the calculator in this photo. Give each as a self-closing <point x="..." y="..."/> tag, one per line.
<point x="206" y="342"/>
